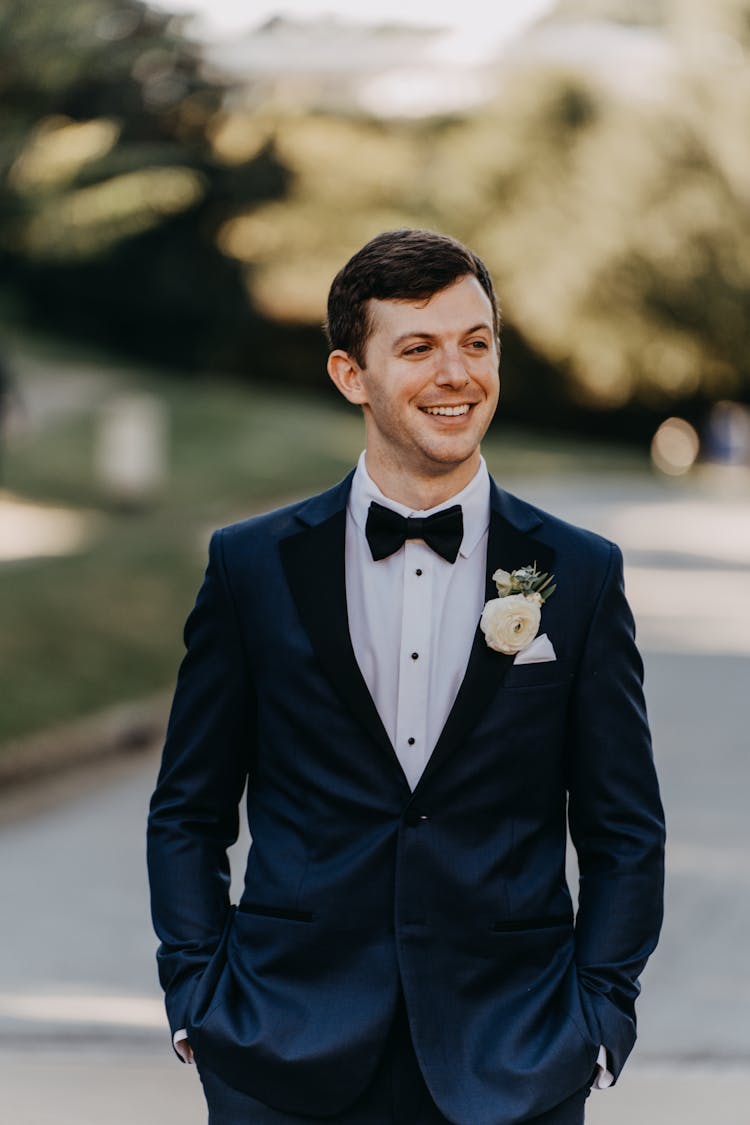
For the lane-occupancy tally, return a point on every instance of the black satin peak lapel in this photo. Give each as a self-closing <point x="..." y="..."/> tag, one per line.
<point x="314" y="564"/>
<point x="509" y="548"/>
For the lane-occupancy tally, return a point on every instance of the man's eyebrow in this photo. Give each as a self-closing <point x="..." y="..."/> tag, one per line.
<point x="416" y="335"/>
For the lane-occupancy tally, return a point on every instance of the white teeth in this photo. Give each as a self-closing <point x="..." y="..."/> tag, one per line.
<point x="451" y="411"/>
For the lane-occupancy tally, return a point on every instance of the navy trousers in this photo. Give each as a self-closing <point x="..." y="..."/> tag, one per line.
<point x="397" y="1095"/>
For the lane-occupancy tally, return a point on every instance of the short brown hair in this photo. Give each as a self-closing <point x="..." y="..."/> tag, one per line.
<point x="398" y="265"/>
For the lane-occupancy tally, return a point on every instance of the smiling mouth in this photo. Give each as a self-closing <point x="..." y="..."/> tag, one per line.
<point x="448" y="411"/>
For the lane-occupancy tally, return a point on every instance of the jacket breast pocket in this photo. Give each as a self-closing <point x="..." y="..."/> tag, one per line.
<point x="549" y="674"/>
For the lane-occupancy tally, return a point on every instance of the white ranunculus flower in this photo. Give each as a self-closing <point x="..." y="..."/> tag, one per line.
<point x="511" y="623"/>
<point x="503" y="581"/>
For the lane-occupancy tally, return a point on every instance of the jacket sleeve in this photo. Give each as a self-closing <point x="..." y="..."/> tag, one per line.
<point x="616" y="819"/>
<point x="194" y="813"/>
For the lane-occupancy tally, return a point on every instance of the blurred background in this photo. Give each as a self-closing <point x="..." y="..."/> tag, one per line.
<point x="178" y="185"/>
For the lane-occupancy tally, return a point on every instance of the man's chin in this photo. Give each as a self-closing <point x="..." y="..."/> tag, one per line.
<point x="444" y="460"/>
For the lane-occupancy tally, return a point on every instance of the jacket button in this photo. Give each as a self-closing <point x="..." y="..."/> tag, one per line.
<point x="415" y="817"/>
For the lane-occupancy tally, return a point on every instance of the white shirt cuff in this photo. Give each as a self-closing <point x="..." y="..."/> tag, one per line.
<point x="180" y="1042"/>
<point x="604" y="1077"/>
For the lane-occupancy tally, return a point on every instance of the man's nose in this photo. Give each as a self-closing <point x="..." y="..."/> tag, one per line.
<point x="452" y="371"/>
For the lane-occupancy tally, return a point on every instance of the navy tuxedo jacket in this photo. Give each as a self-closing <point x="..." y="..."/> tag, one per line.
<point x="355" y="886"/>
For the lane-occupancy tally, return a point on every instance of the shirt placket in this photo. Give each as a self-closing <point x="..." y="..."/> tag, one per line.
<point x="414" y="659"/>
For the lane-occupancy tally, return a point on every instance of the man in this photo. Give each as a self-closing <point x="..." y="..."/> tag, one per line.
<point x="404" y="950"/>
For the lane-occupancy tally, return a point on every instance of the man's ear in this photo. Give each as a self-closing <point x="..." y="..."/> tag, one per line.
<point x="346" y="374"/>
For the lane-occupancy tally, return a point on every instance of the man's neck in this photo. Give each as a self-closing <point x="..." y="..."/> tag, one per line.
<point x="422" y="493"/>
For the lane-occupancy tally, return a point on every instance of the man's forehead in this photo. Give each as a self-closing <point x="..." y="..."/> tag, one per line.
<point x="463" y="301"/>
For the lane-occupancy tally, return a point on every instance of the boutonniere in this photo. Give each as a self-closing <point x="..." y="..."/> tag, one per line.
<point x="511" y="620"/>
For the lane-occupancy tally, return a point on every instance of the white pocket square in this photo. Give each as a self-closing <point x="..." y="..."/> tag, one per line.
<point x="537" y="652"/>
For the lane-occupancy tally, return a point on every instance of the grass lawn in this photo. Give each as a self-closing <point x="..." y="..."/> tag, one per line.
<point x="103" y="624"/>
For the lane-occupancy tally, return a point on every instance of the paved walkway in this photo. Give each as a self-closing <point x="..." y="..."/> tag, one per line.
<point x="82" y="1038"/>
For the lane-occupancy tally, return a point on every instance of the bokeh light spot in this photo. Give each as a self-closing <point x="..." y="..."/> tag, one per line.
<point x="674" y="447"/>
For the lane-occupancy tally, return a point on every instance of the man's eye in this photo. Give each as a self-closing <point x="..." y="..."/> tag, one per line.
<point x="418" y="349"/>
<point x="479" y="345"/>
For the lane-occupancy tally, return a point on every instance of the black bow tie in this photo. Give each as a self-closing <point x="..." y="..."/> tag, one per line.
<point x="386" y="531"/>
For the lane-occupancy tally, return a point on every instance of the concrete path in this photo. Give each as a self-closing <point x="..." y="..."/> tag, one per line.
<point x="82" y="1036"/>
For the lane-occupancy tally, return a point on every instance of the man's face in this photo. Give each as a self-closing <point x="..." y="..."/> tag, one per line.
<point x="430" y="383"/>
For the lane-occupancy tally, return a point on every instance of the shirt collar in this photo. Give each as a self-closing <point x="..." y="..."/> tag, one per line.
<point x="474" y="500"/>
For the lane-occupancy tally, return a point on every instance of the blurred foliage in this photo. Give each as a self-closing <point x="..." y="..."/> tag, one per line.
<point x="143" y="204"/>
<point x="110" y="189"/>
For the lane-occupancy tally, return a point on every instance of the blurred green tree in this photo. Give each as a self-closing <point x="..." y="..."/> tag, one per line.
<point x="110" y="188"/>
<point x="616" y="220"/>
